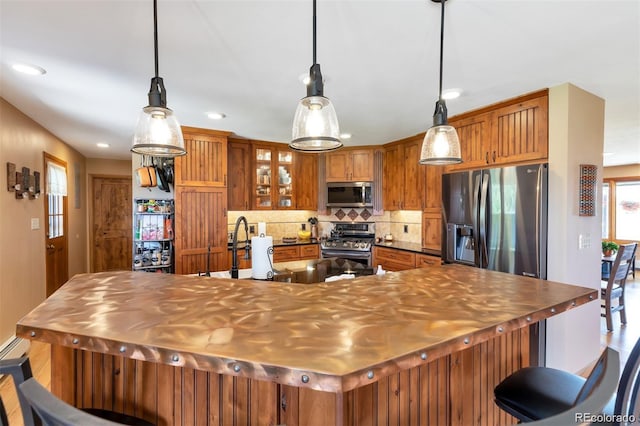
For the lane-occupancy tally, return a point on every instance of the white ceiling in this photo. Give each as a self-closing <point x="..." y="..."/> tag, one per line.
<point x="379" y="59"/>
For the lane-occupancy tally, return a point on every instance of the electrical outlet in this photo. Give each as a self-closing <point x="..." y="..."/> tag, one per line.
<point x="406" y="229"/>
<point x="35" y="223"/>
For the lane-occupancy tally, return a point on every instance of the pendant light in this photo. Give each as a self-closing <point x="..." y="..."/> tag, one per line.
<point x="158" y="132"/>
<point x="441" y="144"/>
<point x="315" y="125"/>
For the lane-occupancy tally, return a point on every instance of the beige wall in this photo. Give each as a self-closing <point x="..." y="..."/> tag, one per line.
<point x="22" y="253"/>
<point x="576" y="136"/>
<point x="621" y="171"/>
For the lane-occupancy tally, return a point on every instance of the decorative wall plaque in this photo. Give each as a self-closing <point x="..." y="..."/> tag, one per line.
<point x="588" y="185"/>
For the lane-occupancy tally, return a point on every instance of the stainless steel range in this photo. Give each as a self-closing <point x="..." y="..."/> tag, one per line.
<point x="352" y="241"/>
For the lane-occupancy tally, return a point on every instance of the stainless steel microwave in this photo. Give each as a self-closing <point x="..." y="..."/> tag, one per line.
<point x="349" y="194"/>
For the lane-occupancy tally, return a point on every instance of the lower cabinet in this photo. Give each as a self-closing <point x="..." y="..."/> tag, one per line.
<point x="290" y="253"/>
<point x="242" y="262"/>
<point x="399" y="260"/>
<point x="282" y="254"/>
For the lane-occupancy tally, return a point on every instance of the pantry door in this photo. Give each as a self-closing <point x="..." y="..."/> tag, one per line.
<point x="111" y="224"/>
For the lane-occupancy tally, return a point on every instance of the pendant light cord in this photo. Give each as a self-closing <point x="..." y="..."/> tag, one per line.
<point x="441" y="46"/>
<point x="314" y="32"/>
<point x="155" y="33"/>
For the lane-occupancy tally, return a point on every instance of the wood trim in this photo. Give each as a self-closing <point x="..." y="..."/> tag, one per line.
<point x="501" y="104"/>
<point x="202" y="131"/>
<point x="450" y="389"/>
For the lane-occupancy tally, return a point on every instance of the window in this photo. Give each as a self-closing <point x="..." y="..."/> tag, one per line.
<point x="628" y="210"/>
<point x="56" y="191"/>
<point x="621" y="209"/>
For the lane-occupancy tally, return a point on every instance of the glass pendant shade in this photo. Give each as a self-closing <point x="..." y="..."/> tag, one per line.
<point x="441" y="146"/>
<point x="315" y="126"/>
<point x="158" y="133"/>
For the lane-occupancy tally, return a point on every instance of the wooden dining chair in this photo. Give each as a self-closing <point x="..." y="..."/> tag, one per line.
<point x="613" y="289"/>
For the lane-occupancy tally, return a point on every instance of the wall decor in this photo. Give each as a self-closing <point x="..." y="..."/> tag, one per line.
<point x="588" y="185"/>
<point x="23" y="183"/>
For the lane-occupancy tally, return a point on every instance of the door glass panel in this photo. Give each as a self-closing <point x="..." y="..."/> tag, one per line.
<point x="263" y="178"/>
<point x="55" y="216"/>
<point x="284" y="179"/>
<point x="628" y="210"/>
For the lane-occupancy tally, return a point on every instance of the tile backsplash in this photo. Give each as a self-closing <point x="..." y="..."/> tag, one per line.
<point x="286" y="223"/>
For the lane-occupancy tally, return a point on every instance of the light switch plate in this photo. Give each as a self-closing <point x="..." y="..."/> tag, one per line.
<point x="35" y="223"/>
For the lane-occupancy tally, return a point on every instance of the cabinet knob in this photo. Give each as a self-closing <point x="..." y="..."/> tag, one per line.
<point x="494" y="156"/>
<point x="51" y="246"/>
<point x="486" y="157"/>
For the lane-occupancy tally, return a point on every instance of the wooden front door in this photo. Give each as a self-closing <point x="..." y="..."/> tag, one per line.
<point x="111" y="224"/>
<point x="56" y="222"/>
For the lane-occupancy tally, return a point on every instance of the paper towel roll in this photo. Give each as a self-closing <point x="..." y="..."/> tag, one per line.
<point x="262" y="228"/>
<point x="262" y="257"/>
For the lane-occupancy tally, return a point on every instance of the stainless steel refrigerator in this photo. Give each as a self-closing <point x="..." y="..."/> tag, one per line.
<point x="497" y="219"/>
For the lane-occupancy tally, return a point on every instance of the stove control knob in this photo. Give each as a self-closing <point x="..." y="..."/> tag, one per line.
<point x="333" y="244"/>
<point x="345" y="244"/>
<point x="362" y="245"/>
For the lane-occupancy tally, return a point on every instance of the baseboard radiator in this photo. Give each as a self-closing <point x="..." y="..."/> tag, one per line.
<point x="15" y="347"/>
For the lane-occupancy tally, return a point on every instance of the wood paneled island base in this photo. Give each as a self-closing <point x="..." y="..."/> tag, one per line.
<point x="412" y="347"/>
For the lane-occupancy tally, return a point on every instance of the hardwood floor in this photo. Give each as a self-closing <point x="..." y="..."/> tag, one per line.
<point x="622" y="339"/>
<point x="41" y="368"/>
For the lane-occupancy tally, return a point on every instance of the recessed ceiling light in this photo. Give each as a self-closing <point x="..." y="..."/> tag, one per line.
<point x="29" y="69"/>
<point x="345" y="135"/>
<point x="451" y="94"/>
<point x="102" y="145"/>
<point x="216" y="115"/>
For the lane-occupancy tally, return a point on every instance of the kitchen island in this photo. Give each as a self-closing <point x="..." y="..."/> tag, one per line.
<point x="424" y="345"/>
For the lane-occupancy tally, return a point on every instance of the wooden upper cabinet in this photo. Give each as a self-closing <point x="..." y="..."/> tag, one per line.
<point x="403" y="176"/>
<point x="391" y="183"/>
<point x="239" y="182"/>
<point x="520" y="132"/>
<point x="512" y="131"/>
<point x="273" y="176"/>
<point x="474" y="133"/>
<point x="205" y="163"/>
<point x="413" y="194"/>
<point x="306" y="169"/>
<point x="350" y="165"/>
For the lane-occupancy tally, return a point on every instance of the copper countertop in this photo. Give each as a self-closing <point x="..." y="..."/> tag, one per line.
<point x="329" y="336"/>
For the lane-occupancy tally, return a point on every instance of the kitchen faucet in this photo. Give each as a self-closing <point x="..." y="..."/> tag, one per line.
<point x="234" y="246"/>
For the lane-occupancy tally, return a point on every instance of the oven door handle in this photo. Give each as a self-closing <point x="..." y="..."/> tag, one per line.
<point x="346" y="254"/>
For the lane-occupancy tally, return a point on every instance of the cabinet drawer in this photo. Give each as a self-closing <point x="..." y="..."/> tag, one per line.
<point x="426" y="261"/>
<point x="285" y="253"/>
<point x="390" y="265"/>
<point x="242" y="262"/>
<point x="310" y="251"/>
<point x="400" y="257"/>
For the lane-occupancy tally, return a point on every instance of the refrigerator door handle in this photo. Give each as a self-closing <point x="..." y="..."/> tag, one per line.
<point x="483" y="220"/>
<point x="474" y="220"/>
<point x="538" y="214"/>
